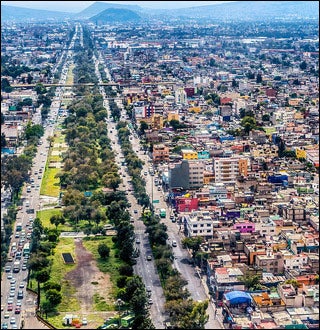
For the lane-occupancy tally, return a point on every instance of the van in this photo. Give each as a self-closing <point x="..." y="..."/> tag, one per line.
<point x="28" y="189"/>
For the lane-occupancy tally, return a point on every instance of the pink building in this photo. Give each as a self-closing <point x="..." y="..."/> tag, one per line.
<point x="244" y="227"/>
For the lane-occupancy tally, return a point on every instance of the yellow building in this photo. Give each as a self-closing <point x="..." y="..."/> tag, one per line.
<point x="189" y="154"/>
<point x="300" y="153"/>
<point x="157" y="121"/>
<point x="194" y="109"/>
<point x="165" y="92"/>
<point x="173" y="116"/>
<point x="294" y="102"/>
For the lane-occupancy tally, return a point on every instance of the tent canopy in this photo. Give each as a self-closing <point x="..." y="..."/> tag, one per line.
<point x="238" y="297"/>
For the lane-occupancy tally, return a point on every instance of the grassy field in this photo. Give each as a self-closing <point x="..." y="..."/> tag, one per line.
<point x="50" y="185"/>
<point x="69" y="79"/>
<point x="58" y="271"/>
<point x="109" y="265"/>
<point x="45" y="216"/>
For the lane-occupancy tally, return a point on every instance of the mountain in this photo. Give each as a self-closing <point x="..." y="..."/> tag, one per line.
<point x="230" y="11"/>
<point x="251" y="10"/>
<point x="98" y="7"/>
<point x="113" y="15"/>
<point x="19" y="14"/>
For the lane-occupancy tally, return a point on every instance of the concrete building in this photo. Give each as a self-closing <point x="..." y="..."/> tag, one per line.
<point x="160" y="153"/>
<point x="198" y="223"/>
<point x="229" y="168"/>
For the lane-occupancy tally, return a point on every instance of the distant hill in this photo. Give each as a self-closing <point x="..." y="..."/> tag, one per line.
<point x="19" y="14"/>
<point x="230" y="11"/>
<point x="113" y="15"/>
<point x="251" y="10"/>
<point x="98" y="7"/>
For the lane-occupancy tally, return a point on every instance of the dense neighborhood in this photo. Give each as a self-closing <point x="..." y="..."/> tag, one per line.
<point x="227" y="115"/>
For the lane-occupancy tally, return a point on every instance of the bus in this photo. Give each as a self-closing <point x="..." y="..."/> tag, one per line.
<point x="26" y="249"/>
<point x="162" y="213"/>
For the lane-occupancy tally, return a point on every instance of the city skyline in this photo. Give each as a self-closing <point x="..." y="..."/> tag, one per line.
<point x="75" y="7"/>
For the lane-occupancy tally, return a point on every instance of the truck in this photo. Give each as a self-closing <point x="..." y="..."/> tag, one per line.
<point x="16" y="266"/>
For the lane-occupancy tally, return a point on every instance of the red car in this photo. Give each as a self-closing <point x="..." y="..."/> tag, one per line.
<point x="10" y="308"/>
<point x="17" y="310"/>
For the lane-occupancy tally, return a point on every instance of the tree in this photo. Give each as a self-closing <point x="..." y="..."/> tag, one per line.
<point x="197" y="317"/>
<point x="57" y="220"/>
<point x="54" y="297"/>
<point x="259" y="78"/>
<point x="251" y="282"/>
<point x="5" y="85"/>
<point x="143" y="126"/>
<point x="248" y="123"/>
<point x="51" y="285"/>
<point x="111" y="180"/>
<point x="192" y="243"/>
<point x="41" y="276"/>
<point x="46" y="307"/>
<point x="103" y="250"/>
<point x="303" y="65"/>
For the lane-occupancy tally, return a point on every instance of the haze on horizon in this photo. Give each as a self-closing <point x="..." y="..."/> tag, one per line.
<point x="78" y="6"/>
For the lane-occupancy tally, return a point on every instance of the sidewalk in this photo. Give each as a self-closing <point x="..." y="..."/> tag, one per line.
<point x="214" y="312"/>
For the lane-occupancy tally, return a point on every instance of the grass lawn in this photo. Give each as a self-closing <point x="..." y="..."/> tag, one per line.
<point x="50" y="185"/>
<point x="45" y="216"/>
<point x="58" y="271"/>
<point x="69" y="79"/>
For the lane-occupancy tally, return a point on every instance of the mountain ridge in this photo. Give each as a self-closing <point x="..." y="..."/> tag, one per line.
<point x="112" y="15"/>
<point x="231" y="11"/>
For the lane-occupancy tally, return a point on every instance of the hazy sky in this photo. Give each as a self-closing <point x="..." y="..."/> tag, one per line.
<point x="77" y="6"/>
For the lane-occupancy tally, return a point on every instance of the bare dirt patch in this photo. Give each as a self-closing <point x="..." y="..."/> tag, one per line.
<point x="82" y="278"/>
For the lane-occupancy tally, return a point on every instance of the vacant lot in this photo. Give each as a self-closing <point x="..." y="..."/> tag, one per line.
<point x="85" y="288"/>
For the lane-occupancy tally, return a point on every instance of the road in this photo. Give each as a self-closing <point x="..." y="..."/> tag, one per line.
<point x="13" y="282"/>
<point x="144" y="268"/>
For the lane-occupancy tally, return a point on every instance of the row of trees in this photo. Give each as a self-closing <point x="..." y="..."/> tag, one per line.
<point x="89" y="166"/>
<point x="183" y="311"/>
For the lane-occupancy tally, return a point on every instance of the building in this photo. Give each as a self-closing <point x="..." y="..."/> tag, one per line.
<point x="271" y="262"/>
<point x="186" y="175"/>
<point x="198" y="223"/>
<point x="181" y="96"/>
<point x="160" y="153"/>
<point x="228" y="169"/>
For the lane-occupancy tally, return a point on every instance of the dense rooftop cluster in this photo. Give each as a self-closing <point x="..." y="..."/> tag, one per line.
<point x="230" y="117"/>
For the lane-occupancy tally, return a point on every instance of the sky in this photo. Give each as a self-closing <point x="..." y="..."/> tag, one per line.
<point x="77" y="6"/>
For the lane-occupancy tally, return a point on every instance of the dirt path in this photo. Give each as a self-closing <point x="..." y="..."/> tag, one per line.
<point x="87" y="279"/>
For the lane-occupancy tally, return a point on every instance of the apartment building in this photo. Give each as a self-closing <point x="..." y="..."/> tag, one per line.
<point x="198" y="223"/>
<point x="160" y="153"/>
<point x="228" y="169"/>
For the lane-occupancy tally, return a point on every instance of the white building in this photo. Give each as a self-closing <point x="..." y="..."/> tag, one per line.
<point x="198" y="223"/>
